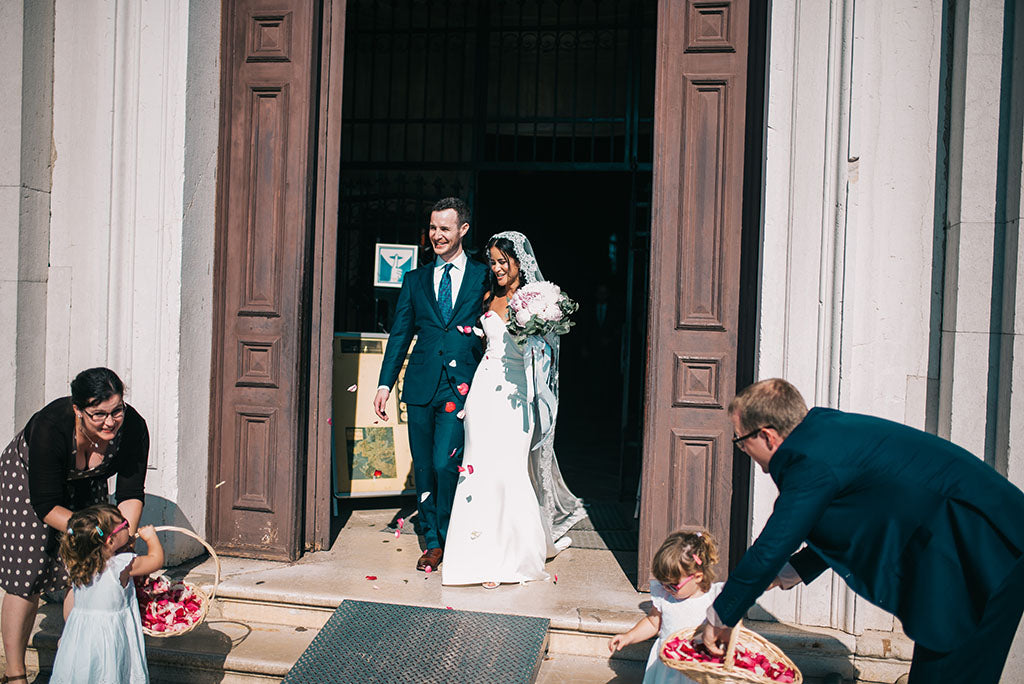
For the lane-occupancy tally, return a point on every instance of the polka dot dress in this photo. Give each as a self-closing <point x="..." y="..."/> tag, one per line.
<point x="29" y="563"/>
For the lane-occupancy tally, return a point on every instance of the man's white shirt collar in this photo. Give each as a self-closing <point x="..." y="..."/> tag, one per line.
<point x="458" y="262"/>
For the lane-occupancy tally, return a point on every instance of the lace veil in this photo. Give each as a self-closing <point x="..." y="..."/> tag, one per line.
<point x="561" y="508"/>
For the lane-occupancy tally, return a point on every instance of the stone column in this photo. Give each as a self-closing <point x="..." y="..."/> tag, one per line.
<point x="26" y="126"/>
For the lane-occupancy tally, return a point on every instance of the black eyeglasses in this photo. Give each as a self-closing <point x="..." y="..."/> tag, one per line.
<point x="737" y="441"/>
<point x="100" y="417"/>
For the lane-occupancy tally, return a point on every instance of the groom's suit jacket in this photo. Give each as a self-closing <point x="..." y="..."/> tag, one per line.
<point x="438" y="344"/>
<point x="913" y="523"/>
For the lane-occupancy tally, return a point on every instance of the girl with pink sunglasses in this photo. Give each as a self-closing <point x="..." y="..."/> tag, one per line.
<point x="102" y="639"/>
<point x="681" y="591"/>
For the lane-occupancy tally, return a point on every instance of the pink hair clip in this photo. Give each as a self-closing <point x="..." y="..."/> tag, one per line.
<point x="697" y="560"/>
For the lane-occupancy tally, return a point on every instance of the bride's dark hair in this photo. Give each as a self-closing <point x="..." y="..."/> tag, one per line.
<point x="508" y="248"/>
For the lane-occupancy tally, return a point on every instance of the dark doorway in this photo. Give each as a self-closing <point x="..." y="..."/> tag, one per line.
<point x="540" y="114"/>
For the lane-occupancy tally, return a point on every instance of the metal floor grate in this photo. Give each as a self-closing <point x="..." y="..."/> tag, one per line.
<point x="369" y="643"/>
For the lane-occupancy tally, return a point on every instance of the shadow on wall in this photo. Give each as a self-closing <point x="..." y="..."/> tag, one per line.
<point x="178" y="547"/>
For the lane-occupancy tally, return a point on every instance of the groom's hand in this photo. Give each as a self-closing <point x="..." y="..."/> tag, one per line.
<point x="380" y="402"/>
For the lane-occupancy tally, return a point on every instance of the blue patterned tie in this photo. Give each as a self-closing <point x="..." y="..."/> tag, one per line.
<point x="444" y="293"/>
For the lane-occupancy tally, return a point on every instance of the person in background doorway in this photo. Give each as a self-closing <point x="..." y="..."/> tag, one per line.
<point x="58" y="464"/>
<point x="916" y="525"/>
<point x="436" y="304"/>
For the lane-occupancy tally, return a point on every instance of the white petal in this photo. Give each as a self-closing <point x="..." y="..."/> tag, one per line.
<point x="452" y="363"/>
<point x="424" y="495"/>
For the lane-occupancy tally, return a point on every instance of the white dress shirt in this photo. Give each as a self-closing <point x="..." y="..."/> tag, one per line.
<point x="457" y="272"/>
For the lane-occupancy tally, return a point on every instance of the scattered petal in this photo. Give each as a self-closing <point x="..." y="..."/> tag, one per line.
<point x="470" y="469"/>
<point x="461" y="414"/>
<point x="219" y="484"/>
<point x="461" y="469"/>
<point x="428" y="569"/>
<point x="452" y="363"/>
<point x="330" y="421"/>
<point x="353" y="388"/>
<point x="463" y="389"/>
<point x="377" y="474"/>
<point x="423" y="496"/>
<point x="474" y="534"/>
<point x="498" y="388"/>
<point x="454" y="451"/>
<point x="479" y="332"/>
<point x="376" y="587"/>
<point x="371" y="577"/>
<point x="449" y="407"/>
<point x="556" y="578"/>
<point x="398" y="533"/>
<point x="462" y="478"/>
<point x="448" y="608"/>
<point x="469" y="498"/>
<point x="401" y="523"/>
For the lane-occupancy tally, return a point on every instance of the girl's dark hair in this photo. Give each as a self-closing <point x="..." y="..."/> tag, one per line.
<point x="95" y="386"/>
<point x="683" y="554"/>
<point x="508" y="248"/>
<point x="81" y="548"/>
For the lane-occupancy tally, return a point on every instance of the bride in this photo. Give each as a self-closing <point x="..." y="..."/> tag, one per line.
<point x="511" y="503"/>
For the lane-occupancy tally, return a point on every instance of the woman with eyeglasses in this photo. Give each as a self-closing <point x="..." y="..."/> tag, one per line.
<point x="58" y="464"/>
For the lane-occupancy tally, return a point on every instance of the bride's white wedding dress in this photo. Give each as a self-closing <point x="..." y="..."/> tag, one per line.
<point x="497" y="531"/>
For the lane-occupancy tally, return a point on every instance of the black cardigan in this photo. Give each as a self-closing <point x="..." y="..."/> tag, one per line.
<point x="50" y="434"/>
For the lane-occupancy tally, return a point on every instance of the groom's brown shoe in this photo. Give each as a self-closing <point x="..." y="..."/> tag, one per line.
<point x="430" y="557"/>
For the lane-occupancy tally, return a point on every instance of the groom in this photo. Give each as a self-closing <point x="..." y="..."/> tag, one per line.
<point x="433" y="304"/>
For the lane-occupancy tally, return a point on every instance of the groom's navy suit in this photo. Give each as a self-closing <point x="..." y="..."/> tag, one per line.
<point x="443" y="358"/>
<point x="913" y="523"/>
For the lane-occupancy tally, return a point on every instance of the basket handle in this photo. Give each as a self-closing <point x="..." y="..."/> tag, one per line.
<point x="729" y="662"/>
<point x="190" y="533"/>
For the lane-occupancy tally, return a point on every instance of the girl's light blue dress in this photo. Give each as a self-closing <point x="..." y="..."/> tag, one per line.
<point x="102" y="641"/>
<point x="675" y="615"/>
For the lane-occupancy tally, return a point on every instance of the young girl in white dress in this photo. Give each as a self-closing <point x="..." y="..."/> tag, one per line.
<point x="102" y="641"/>
<point x="681" y="593"/>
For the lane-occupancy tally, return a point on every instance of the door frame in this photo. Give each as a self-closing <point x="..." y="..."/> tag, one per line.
<point x="323" y="276"/>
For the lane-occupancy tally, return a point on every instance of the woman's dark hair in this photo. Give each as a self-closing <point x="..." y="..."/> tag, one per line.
<point x="508" y="248"/>
<point x="95" y="386"/>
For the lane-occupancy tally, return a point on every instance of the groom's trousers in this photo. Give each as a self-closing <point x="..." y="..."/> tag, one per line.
<point x="436" y="439"/>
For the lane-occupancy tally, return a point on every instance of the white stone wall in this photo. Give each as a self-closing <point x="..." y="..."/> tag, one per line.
<point x="130" y="275"/>
<point x="848" y="308"/>
<point x="26" y="50"/>
<point x="893" y="282"/>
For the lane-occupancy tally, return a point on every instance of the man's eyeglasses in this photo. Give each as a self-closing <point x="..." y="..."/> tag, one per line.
<point x="100" y="417"/>
<point x="738" y="441"/>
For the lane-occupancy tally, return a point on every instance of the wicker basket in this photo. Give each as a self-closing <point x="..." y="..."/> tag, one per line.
<point x="726" y="672"/>
<point x="204" y="598"/>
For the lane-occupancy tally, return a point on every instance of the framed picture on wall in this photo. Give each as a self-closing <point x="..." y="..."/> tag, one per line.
<point x="391" y="263"/>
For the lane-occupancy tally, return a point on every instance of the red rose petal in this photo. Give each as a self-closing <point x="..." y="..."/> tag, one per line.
<point x="371" y="577"/>
<point x="463" y="389"/>
<point x="449" y="407"/>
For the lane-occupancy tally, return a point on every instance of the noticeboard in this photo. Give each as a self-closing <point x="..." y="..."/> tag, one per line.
<point x="371" y="456"/>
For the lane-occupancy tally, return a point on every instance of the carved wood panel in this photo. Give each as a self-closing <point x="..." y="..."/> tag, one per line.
<point x="700" y="100"/>
<point x="258" y="423"/>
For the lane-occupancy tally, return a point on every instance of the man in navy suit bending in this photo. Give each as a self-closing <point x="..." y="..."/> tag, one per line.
<point x="434" y="304"/>
<point x="913" y="523"/>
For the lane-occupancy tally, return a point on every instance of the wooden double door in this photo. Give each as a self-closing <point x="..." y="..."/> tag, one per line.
<point x="276" y="249"/>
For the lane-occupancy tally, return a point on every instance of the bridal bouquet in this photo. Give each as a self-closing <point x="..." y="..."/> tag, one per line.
<point x="538" y="309"/>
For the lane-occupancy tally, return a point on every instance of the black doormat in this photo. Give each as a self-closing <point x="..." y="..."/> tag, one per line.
<point x="381" y="643"/>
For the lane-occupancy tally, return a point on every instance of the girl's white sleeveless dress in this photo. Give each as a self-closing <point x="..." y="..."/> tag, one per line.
<point x="675" y="615"/>
<point x="102" y="642"/>
<point x="497" y="532"/>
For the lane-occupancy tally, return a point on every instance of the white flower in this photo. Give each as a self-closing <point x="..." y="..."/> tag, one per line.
<point x="523" y="317"/>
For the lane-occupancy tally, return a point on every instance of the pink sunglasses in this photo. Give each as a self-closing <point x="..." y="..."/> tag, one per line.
<point x="677" y="587"/>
